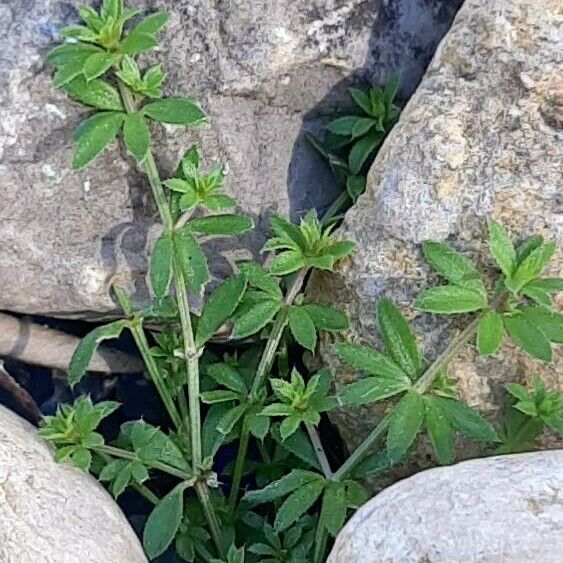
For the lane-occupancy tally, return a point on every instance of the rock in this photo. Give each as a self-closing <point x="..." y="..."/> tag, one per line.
<point x="264" y="72"/>
<point x="473" y="141"/>
<point x="53" y="512"/>
<point x="506" y="508"/>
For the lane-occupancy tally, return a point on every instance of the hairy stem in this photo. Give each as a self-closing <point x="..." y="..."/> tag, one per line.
<point x="203" y="495"/>
<point x="125" y="454"/>
<point x="190" y="351"/>
<point x="321" y="538"/>
<point x="239" y="463"/>
<point x="319" y="450"/>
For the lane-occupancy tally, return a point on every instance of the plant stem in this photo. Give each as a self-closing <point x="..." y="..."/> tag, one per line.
<point x="239" y="463"/>
<point x="125" y="454"/>
<point x="319" y="450"/>
<point x="335" y="207"/>
<point x="264" y="366"/>
<point x="190" y="351"/>
<point x="143" y="346"/>
<point x="321" y="538"/>
<point x="421" y="386"/>
<point x="146" y="492"/>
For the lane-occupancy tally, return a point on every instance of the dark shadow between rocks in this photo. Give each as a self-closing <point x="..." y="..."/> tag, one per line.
<point x="403" y="40"/>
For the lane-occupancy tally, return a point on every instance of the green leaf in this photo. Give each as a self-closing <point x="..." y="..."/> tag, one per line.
<point x="219" y="307"/>
<point x="180" y="111"/>
<point x="287" y="262"/>
<point x="355" y="186"/>
<point x="296" y="504"/>
<point x="528" y="336"/>
<point x="343" y="125"/>
<point x="88" y="345"/>
<point x="531" y="267"/>
<point x="255" y="318"/>
<point x="538" y="295"/>
<point x="451" y="265"/>
<point x="440" y="431"/>
<point x="258" y="277"/>
<point x="211" y="438"/>
<point x="70" y="52"/>
<point x="361" y="99"/>
<point x="97" y="63"/>
<point x="370" y="390"/>
<point x="362" y="126"/>
<point x="325" y="317"/>
<point x="68" y="71"/>
<point x="549" y="285"/>
<point x="291" y="424"/>
<point x="161" y="265"/>
<point x="93" y="135"/>
<point x="489" y="333"/>
<point x="362" y="149"/>
<point x="334" y="507"/>
<point x="95" y="93"/>
<point x="163" y="522"/>
<point x="549" y="322"/>
<point x="280" y="488"/>
<point x="153" y="23"/>
<point x="398" y="338"/>
<point x="527" y="246"/>
<point x="258" y="426"/>
<point x="218" y="396"/>
<point x="192" y="259"/>
<point x="230" y="418"/>
<point x="467" y="420"/>
<point x="302" y="328"/>
<point x="228" y="377"/>
<point x="501" y="248"/>
<point x="288" y="231"/>
<point x="136" y="135"/>
<point x="221" y="225"/>
<point x="370" y="361"/>
<point x="404" y="424"/>
<point x="137" y="42"/>
<point x="451" y="299"/>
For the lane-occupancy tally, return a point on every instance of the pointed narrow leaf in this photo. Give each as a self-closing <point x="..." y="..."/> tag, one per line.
<point x="361" y="98"/>
<point x="87" y="347"/>
<point x="299" y="445"/>
<point x="362" y="150"/>
<point x="286" y="230"/>
<point x="287" y="262"/>
<point x="451" y="299"/>
<point x="137" y="42"/>
<point x="290" y="482"/>
<point x="296" y="504"/>
<point x="180" y="111"/>
<point x="93" y="135"/>
<point x="228" y="377"/>
<point x="136" y="135"/>
<point x="549" y="322"/>
<point x="219" y="307"/>
<point x="256" y="318"/>
<point x="404" y="424"/>
<point x="530" y="338"/>
<point x="398" y="337"/>
<point x="489" y="333"/>
<point x="325" y="317"/>
<point x="163" y="522"/>
<point x="221" y="225"/>
<point x="370" y="390"/>
<point x="370" y="361"/>
<point x="161" y="265"/>
<point x="440" y="431"/>
<point x="334" y="507"/>
<point x="230" y="418"/>
<point x="343" y="125"/>
<point x="97" y="63"/>
<point x="260" y="278"/>
<point x="192" y="260"/>
<point x="501" y="248"/>
<point x="467" y="420"/>
<point x="302" y="328"/>
<point x="95" y="93"/>
<point x="152" y="23"/>
<point x="531" y="267"/>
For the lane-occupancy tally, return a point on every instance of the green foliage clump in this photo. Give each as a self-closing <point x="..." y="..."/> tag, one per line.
<point x="256" y="395"/>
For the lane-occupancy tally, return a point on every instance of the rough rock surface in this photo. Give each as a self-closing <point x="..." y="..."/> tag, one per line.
<point x="507" y="509"/>
<point x="264" y="71"/>
<point x="54" y="513"/>
<point x="480" y="137"/>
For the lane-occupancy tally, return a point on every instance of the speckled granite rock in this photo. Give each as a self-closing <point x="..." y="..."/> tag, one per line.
<point x="480" y="137"/>
<point x="488" y="510"/>
<point x="54" y="513"/>
<point x="264" y="71"/>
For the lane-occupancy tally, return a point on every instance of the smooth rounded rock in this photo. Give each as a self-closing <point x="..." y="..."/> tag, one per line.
<point x="54" y="513"/>
<point x="505" y="509"/>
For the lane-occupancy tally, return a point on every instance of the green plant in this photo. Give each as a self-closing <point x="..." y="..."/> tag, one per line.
<point x="255" y="395"/>
<point x="351" y="140"/>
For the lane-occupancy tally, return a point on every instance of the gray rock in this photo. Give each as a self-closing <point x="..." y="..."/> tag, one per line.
<point x="488" y="510"/>
<point x="480" y="137"/>
<point x="264" y="72"/>
<point x="54" y="513"/>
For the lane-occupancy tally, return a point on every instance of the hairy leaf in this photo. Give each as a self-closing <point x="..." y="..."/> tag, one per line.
<point x="501" y="248"/>
<point x="302" y="328"/>
<point x="136" y="135"/>
<point x="370" y="361"/>
<point x="404" y="424"/>
<point x="296" y="504"/>
<point x="451" y="299"/>
<point x="180" y="111"/>
<point x="489" y="333"/>
<point x="528" y="336"/>
<point x="161" y="265"/>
